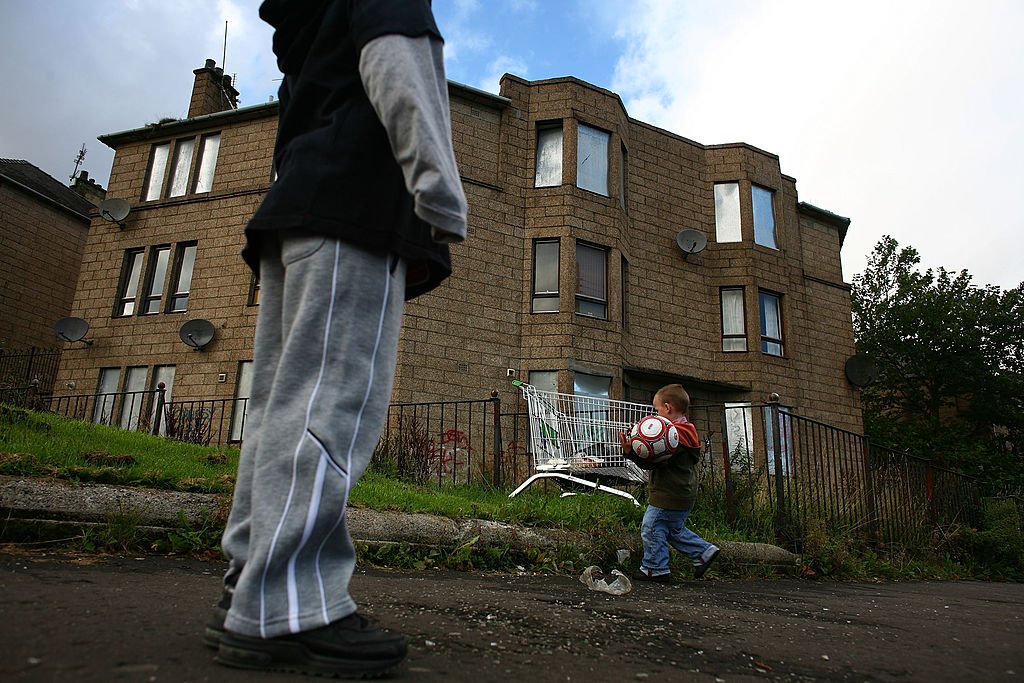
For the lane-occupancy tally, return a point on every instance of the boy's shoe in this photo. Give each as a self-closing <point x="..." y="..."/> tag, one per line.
<point x="348" y="648"/>
<point x="701" y="569"/>
<point x="215" y="626"/>
<point x="643" y="575"/>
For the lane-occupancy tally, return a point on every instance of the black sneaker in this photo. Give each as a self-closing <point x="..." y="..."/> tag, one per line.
<point x="702" y="568"/>
<point x="641" y="575"/>
<point x="215" y="626"/>
<point x="348" y="648"/>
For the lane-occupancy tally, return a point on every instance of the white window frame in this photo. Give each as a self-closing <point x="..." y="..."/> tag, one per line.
<point x="734" y="319"/>
<point x="107" y="386"/>
<point x="592" y="283"/>
<point x="190" y="167"/>
<point x="762" y="201"/>
<point x="544" y="277"/>
<point x="156" y="279"/>
<point x="728" y="226"/>
<point x="181" y="276"/>
<point x="771" y="325"/>
<point x="548" y="171"/>
<point x="592" y="159"/>
<point x="131" y="276"/>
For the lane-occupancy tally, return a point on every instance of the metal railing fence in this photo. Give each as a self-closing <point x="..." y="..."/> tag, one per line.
<point x="29" y="367"/>
<point x="774" y="471"/>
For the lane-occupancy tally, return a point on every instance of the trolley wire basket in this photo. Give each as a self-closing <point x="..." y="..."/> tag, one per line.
<point x="576" y="439"/>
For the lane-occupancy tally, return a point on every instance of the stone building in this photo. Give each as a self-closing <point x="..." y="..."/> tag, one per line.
<point x="43" y="229"/>
<point x="571" y="278"/>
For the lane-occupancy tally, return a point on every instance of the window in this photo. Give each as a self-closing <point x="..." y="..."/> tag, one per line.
<point x="549" y="155"/>
<point x="625" y="293"/>
<point x="181" y="277"/>
<point x="622" y="179"/>
<point x="734" y="327"/>
<point x="243" y="390"/>
<point x="182" y="175"/>
<point x="157" y="169"/>
<point x="207" y="163"/>
<point x="135" y="396"/>
<point x="739" y="435"/>
<point x="545" y="276"/>
<point x="590" y="406"/>
<point x="155" y="278"/>
<point x="254" y="290"/>
<point x="591" y="281"/>
<point x="771" y="323"/>
<point x="180" y="168"/>
<point x="592" y="160"/>
<point x="148" y="301"/>
<point x="106" y="395"/>
<point x="727" y="212"/>
<point x="764" y="217"/>
<point x="544" y="380"/>
<point x="128" y="289"/>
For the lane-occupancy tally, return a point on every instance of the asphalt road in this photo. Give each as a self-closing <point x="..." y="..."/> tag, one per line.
<point x="85" y="618"/>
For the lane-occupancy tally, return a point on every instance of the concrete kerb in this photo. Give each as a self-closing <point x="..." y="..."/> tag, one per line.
<point x="55" y="501"/>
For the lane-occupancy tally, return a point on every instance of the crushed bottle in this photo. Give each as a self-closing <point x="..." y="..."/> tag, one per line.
<point x="593" y="578"/>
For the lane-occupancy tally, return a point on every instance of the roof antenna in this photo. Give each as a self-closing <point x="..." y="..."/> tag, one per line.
<point x="78" y="160"/>
<point x="224" y="55"/>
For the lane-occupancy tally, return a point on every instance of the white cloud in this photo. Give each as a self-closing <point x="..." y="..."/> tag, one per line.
<point x="901" y="116"/>
<point x="498" y="68"/>
<point x="112" y="65"/>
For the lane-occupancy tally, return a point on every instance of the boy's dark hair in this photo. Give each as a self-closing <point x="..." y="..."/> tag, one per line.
<point x="676" y="395"/>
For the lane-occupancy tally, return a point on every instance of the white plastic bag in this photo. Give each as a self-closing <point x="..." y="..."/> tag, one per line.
<point x="593" y="578"/>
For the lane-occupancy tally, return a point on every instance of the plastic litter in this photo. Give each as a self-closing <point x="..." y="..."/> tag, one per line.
<point x="593" y="578"/>
<point x="622" y="556"/>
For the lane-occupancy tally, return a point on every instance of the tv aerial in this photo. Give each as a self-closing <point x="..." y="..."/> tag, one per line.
<point x="691" y="242"/>
<point x="197" y="333"/>
<point x="115" y="211"/>
<point x="73" y="330"/>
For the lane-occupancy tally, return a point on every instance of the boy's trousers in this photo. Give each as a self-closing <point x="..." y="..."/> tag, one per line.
<point x="323" y="368"/>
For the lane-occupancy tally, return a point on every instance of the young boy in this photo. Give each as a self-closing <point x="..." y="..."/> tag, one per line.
<point x="671" y="494"/>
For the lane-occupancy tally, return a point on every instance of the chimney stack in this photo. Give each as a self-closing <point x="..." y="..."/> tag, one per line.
<point x="212" y="91"/>
<point x="88" y="188"/>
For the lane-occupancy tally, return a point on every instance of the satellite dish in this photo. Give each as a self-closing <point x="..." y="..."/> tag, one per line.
<point x="861" y="370"/>
<point x="115" y="210"/>
<point x="691" y="242"/>
<point x="72" y="330"/>
<point x="197" y="333"/>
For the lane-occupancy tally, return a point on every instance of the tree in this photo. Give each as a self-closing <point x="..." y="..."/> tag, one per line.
<point x="950" y="360"/>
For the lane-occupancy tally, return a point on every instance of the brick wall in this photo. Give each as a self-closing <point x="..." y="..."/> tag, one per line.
<point x="40" y="252"/>
<point x="459" y="340"/>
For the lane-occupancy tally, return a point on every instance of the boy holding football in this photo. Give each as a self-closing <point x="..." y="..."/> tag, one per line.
<point x="671" y="494"/>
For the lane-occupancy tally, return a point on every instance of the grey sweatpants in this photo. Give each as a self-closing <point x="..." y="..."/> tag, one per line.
<point x="323" y="367"/>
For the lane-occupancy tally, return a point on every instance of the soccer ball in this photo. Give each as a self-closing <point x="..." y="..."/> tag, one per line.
<point x="654" y="439"/>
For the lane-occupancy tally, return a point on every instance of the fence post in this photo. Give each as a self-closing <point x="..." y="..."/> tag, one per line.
<point x="780" y="491"/>
<point x="869" y="491"/>
<point x="496" y="407"/>
<point x="929" y="482"/>
<point x="31" y="362"/>
<point x="730" y="512"/>
<point x="161" y="391"/>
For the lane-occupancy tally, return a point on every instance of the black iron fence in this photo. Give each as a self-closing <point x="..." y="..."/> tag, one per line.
<point x="788" y="473"/>
<point x="776" y="472"/>
<point x="447" y="442"/>
<point x="33" y="367"/>
<point x="210" y="422"/>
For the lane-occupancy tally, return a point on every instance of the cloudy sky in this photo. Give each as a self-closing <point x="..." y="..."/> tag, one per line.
<point x="906" y="116"/>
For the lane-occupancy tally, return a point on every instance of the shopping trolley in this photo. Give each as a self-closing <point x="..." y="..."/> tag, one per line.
<point x="572" y="435"/>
